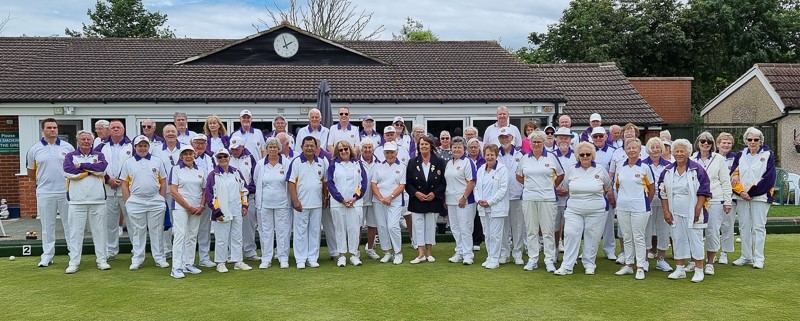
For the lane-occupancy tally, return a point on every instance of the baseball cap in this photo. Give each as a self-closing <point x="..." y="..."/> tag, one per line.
<point x="245" y="112"/>
<point x="367" y="117"/>
<point x="389" y="129"/>
<point x="563" y="131"/>
<point x="594" y="117"/>
<point x="504" y="131"/>
<point x="139" y="139"/>
<point x="222" y="151"/>
<point x="200" y="137"/>
<point x="184" y="148"/>
<point x="390" y="146"/>
<point x="398" y="119"/>
<point x="236" y="143"/>
<point x="598" y="130"/>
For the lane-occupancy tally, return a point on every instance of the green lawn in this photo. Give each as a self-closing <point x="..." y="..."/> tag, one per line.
<point x="440" y="290"/>
<point x="784" y="211"/>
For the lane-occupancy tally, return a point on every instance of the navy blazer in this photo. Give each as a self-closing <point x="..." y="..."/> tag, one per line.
<point x="416" y="182"/>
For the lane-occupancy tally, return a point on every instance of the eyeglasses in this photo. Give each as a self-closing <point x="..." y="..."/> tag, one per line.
<point x="399" y="124"/>
<point x="444" y="138"/>
<point x="753" y="139"/>
<point x="147" y="126"/>
<point x="344" y="114"/>
<point x="598" y="136"/>
<point x="341" y="150"/>
<point x="549" y="133"/>
<point x="223" y="156"/>
<point x="585" y="154"/>
<point x="536" y="142"/>
<point x="704" y="141"/>
<point x="474" y="147"/>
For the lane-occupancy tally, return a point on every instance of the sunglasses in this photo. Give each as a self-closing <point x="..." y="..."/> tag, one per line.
<point x="704" y="141"/>
<point x="753" y="139"/>
<point x="585" y="154"/>
<point x="223" y="156"/>
<point x="147" y="126"/>
<point x="536" y="142"/>
<point x="598" y="136"/>
<point x="344" y="114"/>
<point x="341" y="150"/>
<point x="549" y="133"/>
<point x="444" y="138"/>
<point x="399" y="124"/>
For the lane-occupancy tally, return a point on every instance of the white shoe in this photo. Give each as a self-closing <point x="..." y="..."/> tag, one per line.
<point x="430" y="259"/>
<point x="242" y="266"/>
<point x="698" y="276"/>
<point x="476" y="248"/>
<point x="662" y="265"/>
<point x="625" y="270"/>
<point x="284" y="265"/>
<point x="313" y="264"/>
<point x="484" y="263"/>
<point x="177" y="273"/>
<point x="562" y="271"/>
<point x="550" y="267"/>
<point x="690" y="267"/>
<point x="301" y="266"/>
<point x="742" y="261"/>
<point x="253" y="258"/>
<point x="530" y="266"/>
<point x="492" y="266"/>
<point x="519" y="261"/>
<point x="611" y="256"/>
<point x="503" y="259"/>
<point x="709" y="269"/>
<point x="651" y="255"/>
<point x="639" y="274"/>
<point x="134" y="266"/>
<point x="266" y="265"/>
<point x="468" y="261"/>
<point x="386" y="258"/>
<point x="162" y="264"/>
<point x="190" y="268"/>
<point x="208" y="264"/>
<point x="221" y="268"/>
<point x="561" y="247"/>
<point x="456" y="258"/>
<point x="354" y="260"/>
<point x="758" y="265"/>
<point x="72" y="269"/>
<point x="398" y="259"/>
<point x="341" y="261"/>
<point x="103" y="266"/>
<point x="621" y="258"/>
<point x="372" y="255"/>
<point x="646" y="266"/>
<point x="679" y="273"/>
<point x="44" y="263"/>
<point x="723" y="258"/>
<point x="418" y="260"/>
<point x="588" y="271"/>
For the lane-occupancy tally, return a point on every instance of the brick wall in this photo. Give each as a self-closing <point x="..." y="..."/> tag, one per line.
<point x="670" y="97"/>
<point x="9" y="165"/>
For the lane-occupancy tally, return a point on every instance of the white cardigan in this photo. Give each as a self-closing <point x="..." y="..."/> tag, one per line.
<point x="720" y="177"/>
<point x="493" y="187"/>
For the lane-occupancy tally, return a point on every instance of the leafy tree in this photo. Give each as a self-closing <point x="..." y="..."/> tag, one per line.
<point x="123" y="19"/>
<point x="413" y="30"/>
<point x="331" y="19"/>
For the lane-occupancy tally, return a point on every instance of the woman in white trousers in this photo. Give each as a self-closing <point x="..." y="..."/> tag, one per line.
<point x="460" y="175"/>
<point x="226" y="195"/>
<point x="388" y="182"/>
<point x="657" y="226"/>
<point x="272" y="204"/>
<point x="187" y="185"/>
<point x="491" y="191"/>
<point x="347" y="183"/>
<point x="635" y="189"/>
<point x="720" y="204"/>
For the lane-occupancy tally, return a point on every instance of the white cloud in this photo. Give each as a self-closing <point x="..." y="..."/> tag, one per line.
<point x="509" y="21"/>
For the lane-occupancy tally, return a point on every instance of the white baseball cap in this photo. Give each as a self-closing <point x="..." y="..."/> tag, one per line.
<point x="504" y="131"/>
<point x="222" y="151"/>
<point x="398" y="119"/>
<point x="200" y="137"/>
<point x="389" y="129"/>
<point x="236" y="143"/>
<point x="594" y="117"/>
<point x="139" y="139"/>
<point x="184" y="148"/>
<point x="598" y="130"/>
<point x="245" y="112"/>
<point x="390" y="146"/>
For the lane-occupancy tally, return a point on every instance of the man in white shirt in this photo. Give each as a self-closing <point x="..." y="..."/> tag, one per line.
<point x="184" y="134"/>
<point x="490" y="135"/>
<point x="101" y="128"/>
<point x="344" y="131"/>
<point x="369" y="130"/>
<point x="245" y="162"/>
<point x="616" y="136"/>
<point x="149" y="131"/>
<point x="116" y="149"/>
<point x="566" y="122"/>
<point x="314" y="128"/>
<point x="309" y="195"/>
<point x="169" y="152"/>
<point x="251" y="138"/>
<point x="279" y="126"/>
<point x="205" y="162"/>
<point x="45" y="163"/>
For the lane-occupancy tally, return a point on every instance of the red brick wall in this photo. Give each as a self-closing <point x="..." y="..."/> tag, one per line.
<point x="9" y="166"/>
<point x="670" y="97"/>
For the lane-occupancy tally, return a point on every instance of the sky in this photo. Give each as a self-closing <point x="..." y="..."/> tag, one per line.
<point x="508" y="22"/>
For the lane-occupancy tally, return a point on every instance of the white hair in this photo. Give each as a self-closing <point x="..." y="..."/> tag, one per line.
<point x="314" y="110"/>
<point x="419" y="126"/>
<point x="103" y="123"/>
<point x="654" y="141"/>
<point x="477" y="132"/>
<point x="273" y="141"/>
<point x="502" y="108"/>
<point x="665" y="133"/>
<point x="367" y="141"/>
<point x="753" y="131"/>
<point x="537" y="134"/>
<point x="83" y="131"/>
<point x="684" y="143"/>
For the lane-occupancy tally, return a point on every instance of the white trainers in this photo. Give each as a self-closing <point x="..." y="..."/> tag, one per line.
<point x="519" y="261"/>
<point x="621" y="258"/>
<point x="562" y="271"/>
<point x="625" y="270"/>
<point x="242" y="266"/>
<point x="162" y="264"/>
<point x="430" y="259"/>
<point x="468" y="261"/>
<point x="611" y="256"/>
<point x="742" y="261"/>
<point x="134" y="266"/>
<point x="190" y="268"/>
<point x="662" y="265"/>
<point x="301" y="266"/>
<point x="561" y="247"/>
<point x="530" y="266"/>
<point x="313" y="264"/>
<point x="679" y="273"/>
<point x="284" y="265"/>
<point x="588" y="271"/>
<point x="651" y="255"/>
<point x="103" y="266"/>
<point x="690" y="267"/>
<point x="698" y="276"/>
<point x="253" y="258"/>
<point x="398" y="259"/>
<point x="221" y="268"/>
<point x="484" y="263"/>
<point x="386" y="257"/>
<point x="492" y="266"/>
<point x="72" y="269"/>
<point x="418" y="260"/>
<point x="646" y="266"/>
<point x="550" y="267"/>
<point x="266" y="265"/>
<point x="208" y="264"/>
<point x="372" y="255"/>
<point x="758" y="264"/>
<point x="341" y="261"/>
<point x="639" y="274"/>
<point x="722" y="258"/>
<point x="177" y="274"/>
<point x="709" y="269"/>
<point x="456" y="258"/>
<point x="44" y="263"/>
<point x="354" y="260"/>
<point x="503" y="259"/>
<point x="476" y="248"/>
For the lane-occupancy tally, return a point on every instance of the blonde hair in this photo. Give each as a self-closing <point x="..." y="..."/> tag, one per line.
<point x="222" y="130"/>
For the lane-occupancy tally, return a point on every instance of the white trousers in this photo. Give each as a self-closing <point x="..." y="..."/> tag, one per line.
<point x="493" y="233"/>
<point x="462" y="223"/>
<point x="634" y="225"/>
<point x="658" y="226"/>
<point x="306" y="235"/>
<point x="687" y="242"/>
<point x="228" y="240"/>
<point x="716" y="214"/>
<point x="726" y="229"/>
<point x="540" y="215"/>
<point x="249" y="224"/>
<point x="609" y="242"/>
<point x="184" y="232"/>
<point x="115" y="207"/>
<point x="204" y="236"/>
<point x="424" y="228"/>
<point x="347" y="224"/>
<point x="388" y="219"/>
<point x="752" y="228"/>
<point x="47" y="207"/>
<point x="515" y="226"/>
<point x="330" y="232"/>
<point x="146" y="216"/>
<point x="590" y="226"/>
<point x="274" y="227"/>
<point x="78" y="214"/>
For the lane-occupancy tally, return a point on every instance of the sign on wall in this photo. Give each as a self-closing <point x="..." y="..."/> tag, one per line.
<point x="9" y="143"/>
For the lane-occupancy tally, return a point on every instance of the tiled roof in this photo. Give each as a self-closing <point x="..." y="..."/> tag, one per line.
<point x="598" y="88"/>
<point x="785" y="79"/>
<point x="130" y="70"/>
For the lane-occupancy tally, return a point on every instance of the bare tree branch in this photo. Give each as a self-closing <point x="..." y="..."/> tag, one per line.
<point x="4" y="23"/>
<point x="331" y="19"/>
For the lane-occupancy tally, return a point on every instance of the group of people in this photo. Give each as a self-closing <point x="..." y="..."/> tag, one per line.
<point x="527" y="192"/>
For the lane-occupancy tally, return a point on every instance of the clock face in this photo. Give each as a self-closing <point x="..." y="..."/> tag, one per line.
<point x="286" y="45"/>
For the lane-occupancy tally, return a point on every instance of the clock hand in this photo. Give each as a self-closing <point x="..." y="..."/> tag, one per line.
<point x="286" y="45"/>
<point x="284" y="41"/>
